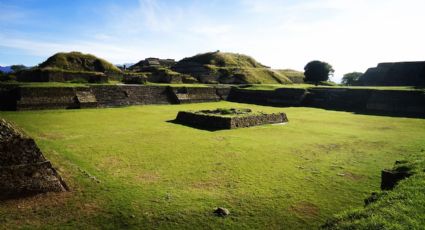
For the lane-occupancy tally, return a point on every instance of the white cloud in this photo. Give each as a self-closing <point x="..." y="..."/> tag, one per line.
<point x="351" y="35"/>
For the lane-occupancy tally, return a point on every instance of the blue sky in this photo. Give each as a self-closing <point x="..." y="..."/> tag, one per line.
<point x="352" y="35"/>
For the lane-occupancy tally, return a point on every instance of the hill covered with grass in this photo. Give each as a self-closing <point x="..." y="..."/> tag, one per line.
<point x="77" y="61"/>
<point x="71" y="67"/>
<point x="295" y="76"/>
<point x="222" y="67"/>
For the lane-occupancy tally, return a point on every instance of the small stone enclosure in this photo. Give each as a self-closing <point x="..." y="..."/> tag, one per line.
<point x="228" y="118"/>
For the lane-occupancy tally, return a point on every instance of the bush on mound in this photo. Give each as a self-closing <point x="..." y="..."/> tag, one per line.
<point x="228" y="68"/>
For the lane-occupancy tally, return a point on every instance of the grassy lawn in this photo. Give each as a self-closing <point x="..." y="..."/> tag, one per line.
<point x="130" y="168"/>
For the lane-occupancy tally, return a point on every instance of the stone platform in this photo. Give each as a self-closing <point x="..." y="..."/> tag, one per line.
<point x="214" y="120"/>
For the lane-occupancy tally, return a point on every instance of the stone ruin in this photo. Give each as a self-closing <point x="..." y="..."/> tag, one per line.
<point x="395" y="74"/>
<point x="391" y="177"/>
<point x="23" y="169"/>
<point x="152" y="63"/>
<point x="228" y="118"/>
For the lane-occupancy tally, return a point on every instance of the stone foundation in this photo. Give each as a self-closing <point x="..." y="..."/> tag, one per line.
<point x="212" y="122"/>
<point x="23" y="168"/>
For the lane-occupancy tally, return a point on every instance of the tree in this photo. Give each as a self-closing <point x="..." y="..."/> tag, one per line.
<point x="317" y="71"/>
<point x="351" y="78"/>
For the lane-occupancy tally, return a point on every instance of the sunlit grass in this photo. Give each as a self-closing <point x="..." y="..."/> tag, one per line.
<point x="157" y="174"/>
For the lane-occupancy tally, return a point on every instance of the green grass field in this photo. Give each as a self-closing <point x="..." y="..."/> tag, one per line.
<point x="130" y="168"/>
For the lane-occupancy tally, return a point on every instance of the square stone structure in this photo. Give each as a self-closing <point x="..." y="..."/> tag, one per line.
<point x="212" y="120"/>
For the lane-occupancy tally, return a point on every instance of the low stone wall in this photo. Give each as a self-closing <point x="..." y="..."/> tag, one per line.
<point x="32" y="98"/>
<point x="395" y="74"/>
<point x="23" y="168"/>
<point x="46" y="75"/>
<point x="85" y="98"/>
<point x="260" y="119"/>
<point x="212" y="122"/>
<point x="145" y="95"/>
<point x="403" y="102"/>
<point x="122" y="95"/>
<point x="282" y="97"/>
<point x="185" y="95"/>
<point x="223" y="92"/>
<point x="46" y="98"/>
<point x="110" y="95"/>
<point x="339" y="99"/>
<point x="408" y="102"/>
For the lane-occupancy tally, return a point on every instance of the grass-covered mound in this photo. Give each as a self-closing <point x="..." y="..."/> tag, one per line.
<point x="401" y="208"/>
<point x="295" y="76"/>
<point x="71" y="67"/>
<point x="233" y="68"/>
<point x="77" y="61"/>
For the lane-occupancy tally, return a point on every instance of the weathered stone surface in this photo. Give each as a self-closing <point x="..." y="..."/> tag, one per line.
<point x="185" y="95"/>
<point x="223" y="92"/>
<point x="144" y="95"/>
<point x="403" y="102"/>
<point x="23" y="168"/>
<point x="389" y="178"/>
<point x="30" y="98"/>
<point x="48" y="75"/>
<point x="395" y="74"/>
<point x="409" y="102"/>
<point x="222" y="212"/>
<point x="398" y="102"/>
<point x="46" y="98"/>
<point x="213" y="122"/>
<point x="135" y="78"/>
<point x="284" y="97"/>
<point x="372" y="198"/>
<point x="110" y="95"/>
<point x="339" y="99"/>
<point x="85" y="98"/>
<point x="152" y="62"/>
